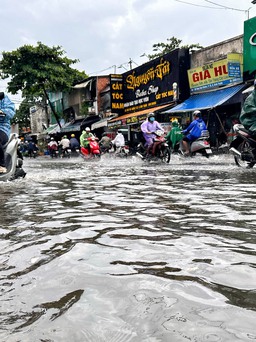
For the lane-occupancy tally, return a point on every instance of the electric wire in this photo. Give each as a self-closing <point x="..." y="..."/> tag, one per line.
<point x="225" y="7"/>
<point x="190" y="3"/>
<point x="221" y="7"/>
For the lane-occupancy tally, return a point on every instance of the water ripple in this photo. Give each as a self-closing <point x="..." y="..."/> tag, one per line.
<point x="128" y="251"/>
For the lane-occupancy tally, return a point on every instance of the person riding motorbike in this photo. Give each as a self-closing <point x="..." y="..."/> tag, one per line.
<point x="7" y="112"/>
<point x="248" y="113"/>
<point x="105" y="142"/>
<point x="118" y="142"/>
<point x="74" y="143"/>
<point x="64" y="145"/>
<point x="32" y="149"/>
<point x="193" y="131"/>
<point x="148" y="127"/>
<point x="53" y="147"/>
<point x="84" y="142"/>
<point x="174" y="136"/>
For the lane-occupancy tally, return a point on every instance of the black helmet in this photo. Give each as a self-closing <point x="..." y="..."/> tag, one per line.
<point x="151" y="115"/>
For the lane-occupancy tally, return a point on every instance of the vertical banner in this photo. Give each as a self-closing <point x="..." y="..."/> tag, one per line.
<point x="116" y="91"/>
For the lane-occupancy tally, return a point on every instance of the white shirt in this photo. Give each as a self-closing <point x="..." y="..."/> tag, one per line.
<point x="64" y="142"/>
<point x="119" y="140"/>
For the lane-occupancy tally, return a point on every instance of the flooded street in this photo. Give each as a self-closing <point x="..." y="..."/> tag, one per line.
<point x="121" y="250"/>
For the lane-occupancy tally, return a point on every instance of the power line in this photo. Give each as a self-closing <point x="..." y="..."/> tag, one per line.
<point x="221" y="7"/>
<point x="96" y="72"/>
<point x="114" y="66"/>
<point x="190" y="3"/>
<point x="225" y="7"/>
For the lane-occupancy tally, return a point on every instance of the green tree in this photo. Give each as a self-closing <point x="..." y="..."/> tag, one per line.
<point x="22" y="115"/>
<point x="38" y="70"/>
<point x="172" y="44"/>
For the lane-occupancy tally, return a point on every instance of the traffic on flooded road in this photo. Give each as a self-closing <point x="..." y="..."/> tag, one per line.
<point x="128" y="250"/>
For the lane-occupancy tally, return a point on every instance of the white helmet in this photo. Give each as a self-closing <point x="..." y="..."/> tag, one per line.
<point x="197" y="113"/>
<point x="87" y="129"/>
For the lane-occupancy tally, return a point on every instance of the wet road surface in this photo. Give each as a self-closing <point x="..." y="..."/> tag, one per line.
<point x="121" y="250"/>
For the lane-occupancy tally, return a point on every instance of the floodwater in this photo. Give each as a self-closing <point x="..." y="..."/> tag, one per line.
<point x="122" y="250"/>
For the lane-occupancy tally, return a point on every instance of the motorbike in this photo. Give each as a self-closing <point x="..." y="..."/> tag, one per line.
<point x="122" y="151"/>
<point x="162" y="150"/>
<point x="200" y="145"/>
<point x="94" y="151"/>
<point x="243" y="147"/>
<point x="65" y="152"/>
<point x="53" y="153"/>
<point x="74" y="152"/>
<point x="13" y="160"/>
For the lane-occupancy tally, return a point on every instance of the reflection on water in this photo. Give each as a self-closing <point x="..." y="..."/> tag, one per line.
<point x="120" y="250"/>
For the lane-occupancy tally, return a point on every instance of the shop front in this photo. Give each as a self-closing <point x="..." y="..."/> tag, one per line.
<point x="216" y="90"/>
<point x="152" y="87"/>
<point x="131" y="122"/>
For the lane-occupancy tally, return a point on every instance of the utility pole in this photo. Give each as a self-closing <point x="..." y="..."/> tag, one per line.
<point x="130" y="61"/>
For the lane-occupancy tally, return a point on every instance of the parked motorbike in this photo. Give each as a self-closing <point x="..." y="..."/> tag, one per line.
<point x="162" y="150"/>
<point x="200" y="145"/>
<point x="13" y="159"/>
<point x="94" y="151"/>
<point x="243" y="147"/>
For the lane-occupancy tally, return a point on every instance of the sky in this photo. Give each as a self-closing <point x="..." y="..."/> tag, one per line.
<point x="104" y="35"/>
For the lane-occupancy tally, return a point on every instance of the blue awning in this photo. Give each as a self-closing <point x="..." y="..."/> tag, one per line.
<point x="207" y="100"/>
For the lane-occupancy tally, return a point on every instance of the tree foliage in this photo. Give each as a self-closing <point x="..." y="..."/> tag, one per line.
<point x="172" y="44"/>
<point x="37" y="70"/>
<point x="22" y="116"/>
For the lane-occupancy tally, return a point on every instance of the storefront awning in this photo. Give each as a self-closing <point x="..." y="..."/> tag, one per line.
<point x="207" y="100"/>
<point x="89" y="121"/>
<point x="134" y="118"/>
<point x="101" y="123"/>
<point x="248" y="90"/>
<point x="71" y="127"/>
<point x="83" y="85"/>
<point x="52" y="129"/>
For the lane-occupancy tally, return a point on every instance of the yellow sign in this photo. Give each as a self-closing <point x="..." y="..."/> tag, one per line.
<point x="213" y="75"/>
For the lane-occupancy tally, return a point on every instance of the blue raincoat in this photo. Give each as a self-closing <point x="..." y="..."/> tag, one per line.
<point x="194" y="130"/>
<point x="8" y="107"/>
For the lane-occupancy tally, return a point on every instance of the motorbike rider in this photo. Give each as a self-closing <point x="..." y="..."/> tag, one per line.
<point x="174" y="136"/>
<point x="84" y="142"/>
<point x="32" y="149"/>
<point x="248" y="113"/>
<point x="148" y="127"/>
<point x="118" y="142"/>
<point x="7" y="112"/>
<point x="52" y="147"/>
<point x="193" y="131"/>
<point x="105" y="142"/>
<point x="74" y="143"/>
<point x="64" y="144"/>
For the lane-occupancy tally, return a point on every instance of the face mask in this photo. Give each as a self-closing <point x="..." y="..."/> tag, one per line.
<point x="151" y="119"/>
